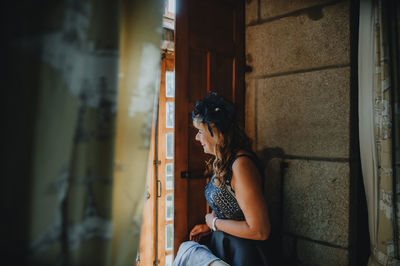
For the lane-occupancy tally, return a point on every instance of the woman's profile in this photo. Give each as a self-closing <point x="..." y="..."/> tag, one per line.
<point x="238" y="227"/>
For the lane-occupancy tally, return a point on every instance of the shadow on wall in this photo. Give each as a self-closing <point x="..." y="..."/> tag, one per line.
<point x="273" y="162"/>
<point x="275" y="167"/>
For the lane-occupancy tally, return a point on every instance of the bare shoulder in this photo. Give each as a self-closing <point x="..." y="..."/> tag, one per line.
<point x="244" y="170"/>
<point x="243" y="161"/>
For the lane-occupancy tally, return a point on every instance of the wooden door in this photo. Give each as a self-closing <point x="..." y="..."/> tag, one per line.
<point x="209" y="54"/>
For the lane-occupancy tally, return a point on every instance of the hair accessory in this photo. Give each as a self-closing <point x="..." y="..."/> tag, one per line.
<point x="210" y="129"/>
<point x="216" y="110"/>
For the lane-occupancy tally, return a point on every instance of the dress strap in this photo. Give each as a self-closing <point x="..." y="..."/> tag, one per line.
<point x="253" y="157"/>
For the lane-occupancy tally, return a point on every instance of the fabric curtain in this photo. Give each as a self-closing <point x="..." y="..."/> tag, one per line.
<point x="375" y="116"/>
<point x="63" y="107"/>
<point x="139" y="75"/>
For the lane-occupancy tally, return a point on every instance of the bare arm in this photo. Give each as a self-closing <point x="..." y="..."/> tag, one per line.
<point x="247" y="186"/>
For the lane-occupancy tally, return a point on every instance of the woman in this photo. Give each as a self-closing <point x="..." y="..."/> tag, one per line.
<point x="239" y="220"/>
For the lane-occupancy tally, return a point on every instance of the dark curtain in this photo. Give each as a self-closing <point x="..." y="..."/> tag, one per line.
<point x="60" y="84"/>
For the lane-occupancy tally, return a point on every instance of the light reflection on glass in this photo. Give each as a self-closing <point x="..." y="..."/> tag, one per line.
<point x="170" y="84"/>
<point x="169" y="207"/>
<point x="171" y="6"/>
<point x="169" y="107"/>
<point x="169" y="236"/>
<point x="168" y="260"/>
<point x="169" y="176"/>
<point x="170" y="145"/>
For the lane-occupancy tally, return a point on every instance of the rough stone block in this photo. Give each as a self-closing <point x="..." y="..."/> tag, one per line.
<point x="305" y="114"/>
<point x="298" y="42"/>
<point x="273" y="8"/>
<point x="311" y="253"/>
<point x="250" y="112"/>
<point x="316" y="201"/>
<point x="251" y="12"/>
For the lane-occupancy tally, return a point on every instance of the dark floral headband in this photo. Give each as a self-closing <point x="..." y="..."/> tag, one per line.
<point x="214" y="109"/>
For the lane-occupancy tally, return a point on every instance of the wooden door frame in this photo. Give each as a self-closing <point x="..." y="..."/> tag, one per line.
<point x="167" y="64"/>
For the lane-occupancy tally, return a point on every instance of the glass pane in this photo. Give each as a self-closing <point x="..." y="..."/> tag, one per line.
<point x="170" y="114"/>
<point x="169" y="260"/>
<point x="169" y="236"/>
<point x="170" y="84"/>
<point x="169" y="176"/>
<point x="169" y="210"/>
<point x="169" y="169"/>
<point x="171" y="6"/>
<point x="170" y="145"/>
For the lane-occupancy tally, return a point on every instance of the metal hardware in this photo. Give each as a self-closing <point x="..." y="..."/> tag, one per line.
<point x="248" y="68"/>
<point x="147" y="195"/>
<point x="159" y="188"/>
<point x="284" y="165"/>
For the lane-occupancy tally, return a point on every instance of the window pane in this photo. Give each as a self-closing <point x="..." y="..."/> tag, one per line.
<point x="168" y="260"/>
<point x="169" y="209"/>
<point x="171" y="6"/>
<point x="169" y="176"/>
<point x="170" y="84"/>
<point x="169" y="169"/>
<point x="170" y="114"/>
<point x="170" y="145"/>
<point x="169" y="236"/>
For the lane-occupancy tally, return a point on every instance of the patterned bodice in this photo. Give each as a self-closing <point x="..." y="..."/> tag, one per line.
<point x="223" y="200"/>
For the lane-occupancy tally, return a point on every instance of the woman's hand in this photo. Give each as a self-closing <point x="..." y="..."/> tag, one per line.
<point x="199" y="231"/>
<point x="209" y="218"/>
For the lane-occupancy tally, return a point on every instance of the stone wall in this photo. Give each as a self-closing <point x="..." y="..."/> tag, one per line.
<point x="298" y="112"/>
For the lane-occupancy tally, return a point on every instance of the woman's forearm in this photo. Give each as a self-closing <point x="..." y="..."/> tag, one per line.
<point x="242" y="229"/>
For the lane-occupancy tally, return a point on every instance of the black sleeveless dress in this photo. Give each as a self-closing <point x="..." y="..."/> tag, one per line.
<point x="234" y="250"/>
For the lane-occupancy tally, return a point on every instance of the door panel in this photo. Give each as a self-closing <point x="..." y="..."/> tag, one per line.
<point x="221" y="78"/>
<point x="197" y="73"/>
<point x="212" y="20"/>
<point x="209" y="54"/>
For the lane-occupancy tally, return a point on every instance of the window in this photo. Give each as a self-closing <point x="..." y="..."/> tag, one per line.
<point x="160" y="231"/>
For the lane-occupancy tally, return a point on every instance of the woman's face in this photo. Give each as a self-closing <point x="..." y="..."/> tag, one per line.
<point x="204" y="136"/>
